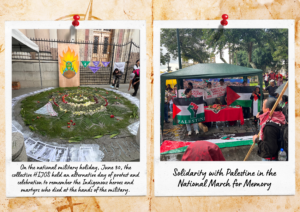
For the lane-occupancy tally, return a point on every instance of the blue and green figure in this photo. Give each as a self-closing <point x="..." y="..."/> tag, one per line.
<point x="69" y="67"/>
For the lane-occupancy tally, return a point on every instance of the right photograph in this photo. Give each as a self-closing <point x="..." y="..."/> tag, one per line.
<point x="224" y="94"/>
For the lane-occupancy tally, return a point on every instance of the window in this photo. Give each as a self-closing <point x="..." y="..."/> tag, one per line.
<point x="105" y="45"/>
<point x="96" y="41"/>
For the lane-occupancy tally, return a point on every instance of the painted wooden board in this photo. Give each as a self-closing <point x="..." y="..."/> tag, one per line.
<point x="68" y="65"/>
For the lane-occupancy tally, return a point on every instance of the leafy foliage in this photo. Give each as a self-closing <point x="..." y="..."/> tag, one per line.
<point x="86" y="126"/>
<point x="256" y="48"/>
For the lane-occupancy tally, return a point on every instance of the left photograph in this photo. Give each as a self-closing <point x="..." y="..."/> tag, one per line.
<point x="75" y="95"/>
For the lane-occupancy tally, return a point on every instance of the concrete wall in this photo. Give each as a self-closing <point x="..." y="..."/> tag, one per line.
<point x="28" y="73"/>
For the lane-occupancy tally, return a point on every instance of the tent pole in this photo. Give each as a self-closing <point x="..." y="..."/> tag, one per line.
<point x="40" y="71"/>
<point x="162" y="102"/>
<point x="179" y="52"/>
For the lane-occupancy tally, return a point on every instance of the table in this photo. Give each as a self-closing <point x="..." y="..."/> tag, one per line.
<point x="226" y="114"/>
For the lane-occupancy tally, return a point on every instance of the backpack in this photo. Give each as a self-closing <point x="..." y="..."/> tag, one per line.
<point x="281" y="142"/>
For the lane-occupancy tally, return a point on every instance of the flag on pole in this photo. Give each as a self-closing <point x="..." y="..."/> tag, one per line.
<point x="188" y="110"/>
<point x="239" y="95"/>
<point x="256" y="105"/>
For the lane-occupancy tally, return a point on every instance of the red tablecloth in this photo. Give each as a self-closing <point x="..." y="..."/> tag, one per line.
<point x="226" y="114"/>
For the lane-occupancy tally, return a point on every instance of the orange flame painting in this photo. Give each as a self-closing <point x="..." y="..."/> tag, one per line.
<point x="69" y="64"/>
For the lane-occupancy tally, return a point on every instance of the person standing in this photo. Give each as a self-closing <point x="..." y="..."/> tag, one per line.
<point x="131" y="77"/>
<point x="208" y="92"/>
<point x="255" y="97"/>
<point x="166" y="107"/>
<point x="136" y="71"/>
<point x="279" y="79"/>
<point x="168" y="88"/>
<point x="222" y="98"/>
<point x="188" y="94"/>
<point x="266" y="79"/>
<point x="136" y="83"/>
<point x="190" y="86"/>
<point x="269" y="135"/>
<point x="272" y="75"/>
<point x="246" y="110"/>
<point x="137" y="65"/>
<point x="272" y="89"/>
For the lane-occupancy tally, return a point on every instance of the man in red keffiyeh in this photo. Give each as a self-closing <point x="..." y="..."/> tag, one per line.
<point x="269" y="134"/>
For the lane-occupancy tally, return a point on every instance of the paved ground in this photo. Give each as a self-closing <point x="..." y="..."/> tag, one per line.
<point x="216" y="131"/>
<point x="123" y="88"/>
<point x="120" y="148"/>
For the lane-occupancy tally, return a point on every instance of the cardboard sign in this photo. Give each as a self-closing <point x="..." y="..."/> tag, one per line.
<point x="215" y="92"/>
<point x="195" y="93"/>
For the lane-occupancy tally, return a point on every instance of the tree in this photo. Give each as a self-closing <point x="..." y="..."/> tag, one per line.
<point x="191" y="43"/>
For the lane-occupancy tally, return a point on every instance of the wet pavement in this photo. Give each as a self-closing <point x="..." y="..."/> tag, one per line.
<point x="215" y="131"/>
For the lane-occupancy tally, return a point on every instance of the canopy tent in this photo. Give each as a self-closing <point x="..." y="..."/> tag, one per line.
<point x="20" y="43"/>
<point x="205" y="71"/>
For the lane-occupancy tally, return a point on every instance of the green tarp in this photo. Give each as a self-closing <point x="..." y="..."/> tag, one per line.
<point x="205" y="71"/>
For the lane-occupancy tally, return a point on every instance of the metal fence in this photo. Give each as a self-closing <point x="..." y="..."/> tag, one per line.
<point x="89" y="51"/>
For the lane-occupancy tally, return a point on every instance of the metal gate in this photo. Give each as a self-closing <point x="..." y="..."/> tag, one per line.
<point x="90" y="51"/>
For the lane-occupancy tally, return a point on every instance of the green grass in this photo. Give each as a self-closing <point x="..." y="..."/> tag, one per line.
<point x="86" y="126"/>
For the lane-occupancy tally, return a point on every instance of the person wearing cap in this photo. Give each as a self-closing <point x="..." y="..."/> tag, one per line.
<point x="272" y="89"/>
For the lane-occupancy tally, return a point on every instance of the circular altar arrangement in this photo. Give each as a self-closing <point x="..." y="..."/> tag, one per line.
<point x="78" y="113"/>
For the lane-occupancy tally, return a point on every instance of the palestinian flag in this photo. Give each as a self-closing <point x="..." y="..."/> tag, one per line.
<point x="173" y="147"/>
<point x="256" y="104"/>
<point x="188" y="110"/>
<point x="239" y="95"/>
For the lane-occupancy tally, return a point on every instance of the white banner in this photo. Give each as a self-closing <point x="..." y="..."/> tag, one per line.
<point x="120" y="66"/>
<point x="196" y="93"/>
<point x="215" y="92"/>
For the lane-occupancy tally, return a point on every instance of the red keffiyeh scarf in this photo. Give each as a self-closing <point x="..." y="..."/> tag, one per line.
<point x="277" y="117"/>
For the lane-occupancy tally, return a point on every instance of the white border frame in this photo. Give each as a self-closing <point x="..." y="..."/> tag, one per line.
<point x="140" y="187"/>
<point x="166" y="184"/>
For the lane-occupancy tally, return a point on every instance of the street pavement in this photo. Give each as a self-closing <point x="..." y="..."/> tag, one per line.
<point x="216" y="131"/>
